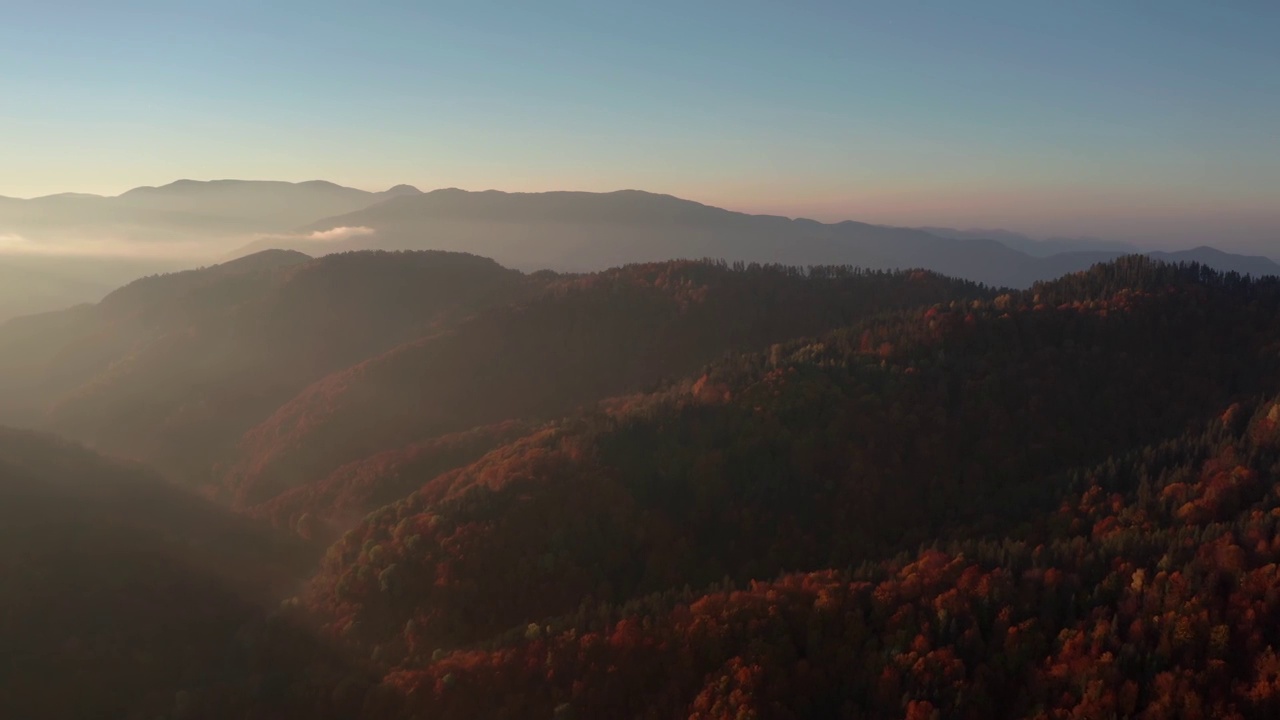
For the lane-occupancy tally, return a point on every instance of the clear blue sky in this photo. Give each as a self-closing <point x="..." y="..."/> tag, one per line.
<point x="1128" y="118"/>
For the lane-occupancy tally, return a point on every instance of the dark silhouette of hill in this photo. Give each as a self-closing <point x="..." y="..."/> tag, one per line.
<point x="171" y="369"/>
<point x="1254" y="265"/>
<point x="265" y="260"/>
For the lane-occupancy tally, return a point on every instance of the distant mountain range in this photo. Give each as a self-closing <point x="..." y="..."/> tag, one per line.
<point x="1032" y="246"/>
<point x="188" y="223"/>
<point x="581" y="231"/>
<point x="186" y="207"/>
<point x="60" y="250"/>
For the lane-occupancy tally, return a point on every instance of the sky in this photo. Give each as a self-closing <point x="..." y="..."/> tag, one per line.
<point x="1152" y="121"/>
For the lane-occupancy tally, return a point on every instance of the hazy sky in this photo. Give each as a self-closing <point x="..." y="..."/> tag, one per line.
<point x="1120" y="117"/>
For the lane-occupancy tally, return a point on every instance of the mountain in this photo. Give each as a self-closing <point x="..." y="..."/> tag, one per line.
<point x="817" y="454"/>
<point x="184" y="208"/>
<point x="188" y="222"/>
<point x="1254" y="265"/>
<point x="1149" y="591"/>
<point x="1074" y="254"/>
<point x="172" y="368"/>
<point x="684" y="552"/>
<point x="579" y="231"/>
<point x="1037" y="247"/>
<point x="62" y="250"/>
<point x="54" y="351"/>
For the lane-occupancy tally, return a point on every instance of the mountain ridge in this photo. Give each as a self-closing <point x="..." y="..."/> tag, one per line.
<point x="197" y="221"/>
<point x="584" y="231"/>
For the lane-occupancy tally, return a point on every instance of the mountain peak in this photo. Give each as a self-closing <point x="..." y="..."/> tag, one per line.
<point x="150" y="189"/>
<point x="401" y="189"/>
<point x="181" y="185"/>
<point x="321" y="184"/>
<point x="265" y="259"/>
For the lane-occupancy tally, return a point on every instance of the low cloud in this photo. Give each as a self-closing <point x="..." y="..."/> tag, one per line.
<point x="338" y="234"/>
<point x="332" y="235"/>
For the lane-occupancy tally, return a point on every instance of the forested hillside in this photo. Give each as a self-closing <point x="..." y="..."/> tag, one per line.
<point x="171" y="369"/>
<point x="582" y="339"/>
<point x="1103" y="553"/>
<point x="1147" y="590"/>
<point x="813" y="454"/>
<point x="681" y="489"/>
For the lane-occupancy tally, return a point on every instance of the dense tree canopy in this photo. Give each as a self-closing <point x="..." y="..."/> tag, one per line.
<point x="672" y="490"/>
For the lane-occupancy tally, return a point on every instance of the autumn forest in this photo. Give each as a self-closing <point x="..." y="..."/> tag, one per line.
<point x="422" y="485"/>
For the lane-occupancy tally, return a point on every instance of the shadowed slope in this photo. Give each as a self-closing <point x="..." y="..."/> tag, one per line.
<point x="585" y="339"/>
<point x="119" y="589"/>
<point x="171" y="369"/>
